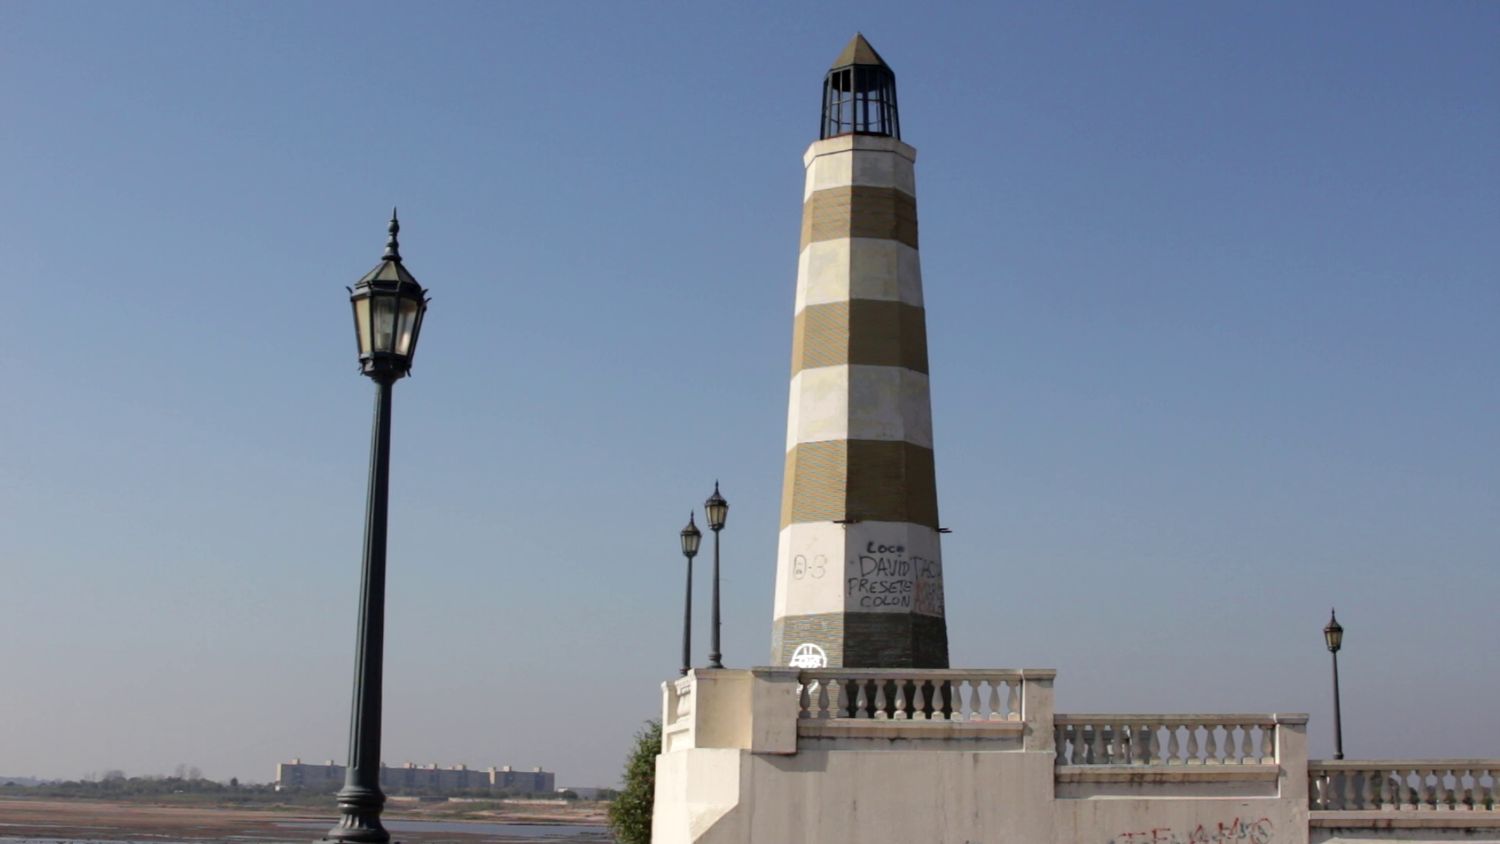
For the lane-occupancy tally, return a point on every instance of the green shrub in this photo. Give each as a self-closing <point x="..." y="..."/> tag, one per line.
<point x="630" y="813"/>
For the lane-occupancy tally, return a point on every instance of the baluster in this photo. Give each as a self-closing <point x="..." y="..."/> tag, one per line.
<point x="1409" y="797"/>
<point x="1351" y="790"/>
<point x="1173" y="755"/>
<point x="1211" y="744"/>
<point x="899" y="706"/>
<point x="1151" y="744"/>
<point x="803" y="703"/>
<point x="1267" y="744"/>
<point x="1486" y="799"/>
<point x="823" y="698"/>
<point x="1059" y="738"/>
<point x="861" y="700"/>
<point x="1320" y="791"/>
<point x="1075" y="752"/>
<point x="1116" y="744"/>
<point x="919" y="694"/>
<point x="1466" y="793"/>
<point x="880" y="701"/>
<point x="1450" y="795"/>
<point x="1366" y="789"/>
<point x="1247" y="753"/>
<point x="1096" y="744"/>
<point x="1426" y="796"/>
<point x="1192" y="745"/>
<point x="1013" y="701"/>
<point x="837" y="704"/>
<point x="992" y="700"/>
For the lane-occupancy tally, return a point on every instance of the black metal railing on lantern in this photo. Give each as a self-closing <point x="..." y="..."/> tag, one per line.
<point x="860" y="100"/>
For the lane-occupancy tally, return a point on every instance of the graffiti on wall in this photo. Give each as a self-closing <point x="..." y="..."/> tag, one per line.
<point x="1236" y="831"/>
<point x="885" y="577"/>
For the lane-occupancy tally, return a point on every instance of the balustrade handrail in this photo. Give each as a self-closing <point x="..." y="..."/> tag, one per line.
<point x="1398" y="764"/>
<point x="1257" y="719"/>
<point x="916" y="694"/>
<point x="1387" y="785"/>
<point x="927" y="673"/>
<point x="1160" y="739"/>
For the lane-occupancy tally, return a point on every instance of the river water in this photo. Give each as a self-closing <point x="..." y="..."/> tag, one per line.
<point x="300" y="832"/>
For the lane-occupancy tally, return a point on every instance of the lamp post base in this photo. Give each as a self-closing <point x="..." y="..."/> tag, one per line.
<point x="360" y="823"/>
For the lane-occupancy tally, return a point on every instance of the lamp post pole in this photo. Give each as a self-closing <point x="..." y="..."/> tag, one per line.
<point x="388" y="308"/>
<point x="1333" y="636"/>
<point x="361" y="800"/>
<point x="716" y="509"/>
<point x="691" y="536"/>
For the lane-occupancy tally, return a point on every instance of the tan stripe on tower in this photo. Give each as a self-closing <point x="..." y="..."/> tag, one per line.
<point x="863" y="332"/>
<point x="860" y="480"/>
<point x="860" y="211"/>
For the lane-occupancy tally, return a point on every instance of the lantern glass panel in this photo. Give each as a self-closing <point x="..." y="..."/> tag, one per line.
<point x="362" y="324"/>
<point x="690" y="540"/>
<point x="406" y="326"/>
<point x="717" y="513"/>
<point x="384" y="311"/>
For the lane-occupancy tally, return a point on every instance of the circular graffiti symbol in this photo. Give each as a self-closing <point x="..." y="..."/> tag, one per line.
<point x="809" y="656"/>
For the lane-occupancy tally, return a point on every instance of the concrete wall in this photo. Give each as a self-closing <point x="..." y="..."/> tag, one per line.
<point x="750" y="759"/>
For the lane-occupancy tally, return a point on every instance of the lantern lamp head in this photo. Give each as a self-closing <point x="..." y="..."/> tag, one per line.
<point x="1333" y="633"/>
<point x="691" y="537"/>
<point x="389" y="304"/>
<point x="716" y="510"/>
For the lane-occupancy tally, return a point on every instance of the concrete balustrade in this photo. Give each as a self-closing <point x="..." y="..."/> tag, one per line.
<point x="916" y="695"/>
<point x="1395" y="785"/>
<point x="1165" y="740"/>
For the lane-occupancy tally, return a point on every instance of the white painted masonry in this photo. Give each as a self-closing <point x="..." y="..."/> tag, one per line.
<point x="856" y="402"/>
<point x="858" y="268"/>
<point x="829" y="164"/>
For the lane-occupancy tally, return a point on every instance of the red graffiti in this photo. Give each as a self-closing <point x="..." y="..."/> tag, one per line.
<point x="1234" y="832"/>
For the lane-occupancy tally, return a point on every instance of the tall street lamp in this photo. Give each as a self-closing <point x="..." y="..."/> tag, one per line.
<point x="716" y="510"/>
<point x="691" y="536"/>
<point x="1333" y="636"/>
<point x="388" y="308"/>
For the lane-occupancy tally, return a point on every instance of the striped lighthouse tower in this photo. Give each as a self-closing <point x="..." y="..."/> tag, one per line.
<point x="859" y="575"/>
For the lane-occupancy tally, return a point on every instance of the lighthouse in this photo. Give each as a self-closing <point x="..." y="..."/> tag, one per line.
<point x="859" y="572"/>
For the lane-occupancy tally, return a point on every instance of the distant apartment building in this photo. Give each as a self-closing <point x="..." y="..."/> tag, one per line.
<point x="426" y="779"/>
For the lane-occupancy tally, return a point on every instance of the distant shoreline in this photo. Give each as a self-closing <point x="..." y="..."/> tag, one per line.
<point x="148" y="819"/>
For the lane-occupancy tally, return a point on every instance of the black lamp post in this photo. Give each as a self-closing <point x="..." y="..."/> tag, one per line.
<point x="1333" y="636"/>
<point x="388" y="308"/>
<point x="716" y="510"/>
<point x="691" y="536"/>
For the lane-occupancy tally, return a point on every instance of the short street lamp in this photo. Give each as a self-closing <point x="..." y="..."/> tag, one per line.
<point x="388" y="308"/>
<point x="691" y="536"/>
<point x="1333" y="636"/>
<point x="716" y="510"/>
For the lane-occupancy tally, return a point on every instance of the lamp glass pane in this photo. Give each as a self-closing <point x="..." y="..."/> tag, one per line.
<point x="406" y="326"/>
<point x="362" y="324"/>
<point x="384" y="323"/>
<point x="716" y="513"/>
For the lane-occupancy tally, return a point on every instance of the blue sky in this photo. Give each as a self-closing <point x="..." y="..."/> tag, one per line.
<point x="1212" y="303"/>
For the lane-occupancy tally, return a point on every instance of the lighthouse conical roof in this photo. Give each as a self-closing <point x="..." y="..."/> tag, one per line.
<point x="859" y="51"/>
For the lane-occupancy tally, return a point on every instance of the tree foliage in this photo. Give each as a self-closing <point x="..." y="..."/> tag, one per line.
<point x="630" y="813"/>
